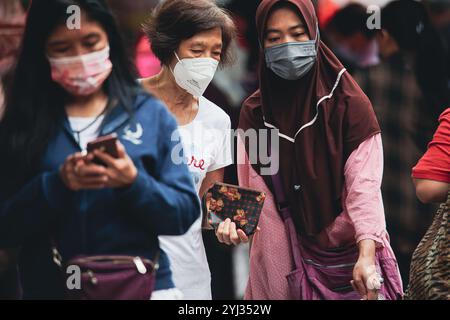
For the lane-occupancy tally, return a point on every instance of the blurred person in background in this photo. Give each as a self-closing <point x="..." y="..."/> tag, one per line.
<point x="129" y="16"/>
<point x="190" y="52"/>
<point x="406" y="27"/>
<point x="393" y="91"/>
<point x="247" y="48"/>
<point x="350" y="39"/>
<point x="12" y="24"/>
<point x="440" y="15"/>
<point x="406" y="119"/>
<point x="70" y="87"/>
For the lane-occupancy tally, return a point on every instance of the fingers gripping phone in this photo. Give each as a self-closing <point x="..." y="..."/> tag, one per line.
<point x="107" y="144"/>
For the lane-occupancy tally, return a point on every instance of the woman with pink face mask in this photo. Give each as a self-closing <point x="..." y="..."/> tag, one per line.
<point x="72" y="85"/>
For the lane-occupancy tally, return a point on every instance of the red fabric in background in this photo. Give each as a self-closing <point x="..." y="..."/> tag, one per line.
<point x="435" y="164"/>
<point x="326" y="10"/>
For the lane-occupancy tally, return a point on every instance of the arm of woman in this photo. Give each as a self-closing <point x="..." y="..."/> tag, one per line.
<point x="227" y="231"/>
<point x="431" y="175"/>
<point x="211" y="178"/>
<point x="364" y="204"/>
<point x="430" y="191"/>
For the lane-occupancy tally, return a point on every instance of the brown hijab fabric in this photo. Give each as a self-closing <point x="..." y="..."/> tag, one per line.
<point x="322" y="118"/>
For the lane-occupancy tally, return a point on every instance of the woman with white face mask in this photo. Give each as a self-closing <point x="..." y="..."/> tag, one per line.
<point x="190" y="52"/>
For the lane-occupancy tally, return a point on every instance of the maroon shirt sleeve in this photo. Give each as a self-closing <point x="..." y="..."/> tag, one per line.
<point x="435" y="164"/>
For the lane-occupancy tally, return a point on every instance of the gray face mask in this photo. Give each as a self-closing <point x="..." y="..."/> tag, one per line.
<point x="291" y="60"/>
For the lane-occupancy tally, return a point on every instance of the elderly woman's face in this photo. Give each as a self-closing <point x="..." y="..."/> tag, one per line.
<point x="284" y="25"/>
<point x="207" y="44"/>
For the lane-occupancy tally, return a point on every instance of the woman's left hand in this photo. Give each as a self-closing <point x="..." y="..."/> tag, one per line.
<point x="365" y="278"/>
<point x="121" y="171"/>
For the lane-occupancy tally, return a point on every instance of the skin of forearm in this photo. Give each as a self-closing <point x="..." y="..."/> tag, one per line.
<point x="367" y="249"/>
<point x="429" y="191"/>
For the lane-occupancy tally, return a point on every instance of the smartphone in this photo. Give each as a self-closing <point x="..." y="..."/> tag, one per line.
<point x="107" y="144"/>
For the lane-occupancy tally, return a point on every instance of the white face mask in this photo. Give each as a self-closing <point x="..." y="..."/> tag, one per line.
<point x="194" y="75"/>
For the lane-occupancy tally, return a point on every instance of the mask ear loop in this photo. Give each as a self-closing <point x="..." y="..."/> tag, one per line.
<point x="260" y="44"/>
<point x="317" y="37"/>
<point x="176" y="56"/>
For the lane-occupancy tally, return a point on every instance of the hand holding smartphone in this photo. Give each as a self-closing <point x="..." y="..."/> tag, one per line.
<point x="120" y="168"/>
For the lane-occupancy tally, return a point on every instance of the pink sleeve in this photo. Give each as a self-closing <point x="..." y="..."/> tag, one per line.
<point x="364" y="203"/>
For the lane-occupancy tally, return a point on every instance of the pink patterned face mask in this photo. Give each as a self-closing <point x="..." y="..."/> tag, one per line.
<point x="82" y="75"/>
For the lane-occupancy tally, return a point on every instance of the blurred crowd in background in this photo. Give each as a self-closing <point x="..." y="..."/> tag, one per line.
<point x="406" y="101"/>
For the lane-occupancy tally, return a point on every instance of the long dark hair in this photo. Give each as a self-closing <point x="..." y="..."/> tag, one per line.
<point x="410" y="25"/>
<point x="35" y="107"/>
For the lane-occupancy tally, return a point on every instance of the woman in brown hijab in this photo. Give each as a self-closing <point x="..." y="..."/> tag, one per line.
<point x="331" y="165"/>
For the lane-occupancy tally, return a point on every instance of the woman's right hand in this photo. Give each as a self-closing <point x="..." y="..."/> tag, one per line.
<point x="79" y="173"/>
<point x="228" y="233"/>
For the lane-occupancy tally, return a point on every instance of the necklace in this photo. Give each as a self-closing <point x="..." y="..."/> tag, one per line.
<point x="77" y="133"/>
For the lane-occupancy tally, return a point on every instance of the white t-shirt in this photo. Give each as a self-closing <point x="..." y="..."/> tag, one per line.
<point x="207" y="147"/>
<point x="88" y="135"/>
